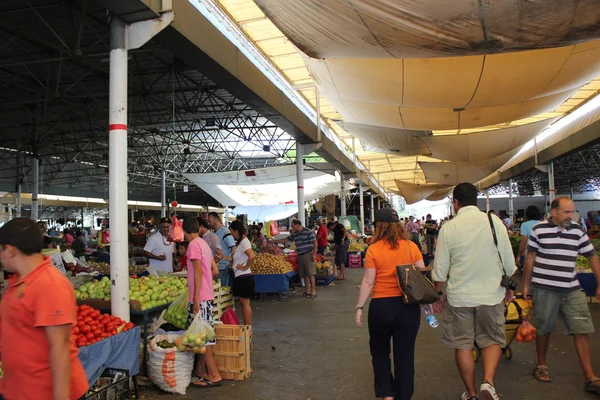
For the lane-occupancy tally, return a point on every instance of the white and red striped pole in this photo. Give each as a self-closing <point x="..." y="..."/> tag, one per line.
<point x="300" y="181"/>
<point x="117" y="147"/>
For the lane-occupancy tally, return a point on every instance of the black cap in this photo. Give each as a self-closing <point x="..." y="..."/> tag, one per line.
<point x="386" y="215"/>
<point x="165" y="220"/>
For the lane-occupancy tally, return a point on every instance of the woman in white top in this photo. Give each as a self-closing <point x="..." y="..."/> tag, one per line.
<point x="243" y="282"/>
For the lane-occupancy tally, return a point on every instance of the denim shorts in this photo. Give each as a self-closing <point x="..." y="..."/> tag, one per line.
<point x="570" y="307"/>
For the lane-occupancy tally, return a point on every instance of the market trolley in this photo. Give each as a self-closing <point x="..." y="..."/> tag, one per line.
<point x="514" y="314"/>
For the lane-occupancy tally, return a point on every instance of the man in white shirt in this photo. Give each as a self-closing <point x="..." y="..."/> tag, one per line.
<point x="158" y="248"/>
<point x="474" y="266"/>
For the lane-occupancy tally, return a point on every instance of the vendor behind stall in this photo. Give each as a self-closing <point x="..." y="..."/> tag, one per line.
<point x="158" y="248"/>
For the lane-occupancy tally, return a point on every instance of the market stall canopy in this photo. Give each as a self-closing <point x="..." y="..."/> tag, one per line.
<point x="401" y="142"/>
<point x="264" y="186"/>
<point x="453" y="173"/>
<point x="431" y="28"/>
<point x="266" y="213"/>
<point x="415" y="192"/>
<point x="454" y="92"/>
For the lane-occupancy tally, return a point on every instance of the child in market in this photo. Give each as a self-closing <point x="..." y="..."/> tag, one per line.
<point x="182" y="248"/>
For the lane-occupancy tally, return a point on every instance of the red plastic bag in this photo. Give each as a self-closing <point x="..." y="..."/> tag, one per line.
<point x="176" y="230"/>
<point x="526" y="332"/>
<point x="230" y="317"/>
<point x="274" y="228"/>
<point x="106" y="236"/>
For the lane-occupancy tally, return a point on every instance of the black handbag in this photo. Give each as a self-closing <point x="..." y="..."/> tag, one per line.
<point x="416" y="287"/>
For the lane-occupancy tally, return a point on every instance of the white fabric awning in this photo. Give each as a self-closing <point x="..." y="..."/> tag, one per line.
<point x="264" y="186"/>
<point x="266" y="213"/>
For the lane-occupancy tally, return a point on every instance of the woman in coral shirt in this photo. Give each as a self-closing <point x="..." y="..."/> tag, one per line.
<point x="389" y="317"/>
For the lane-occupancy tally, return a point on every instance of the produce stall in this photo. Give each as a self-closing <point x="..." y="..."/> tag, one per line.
<point x="585" y="275"/>
<point x="272" y="273"/>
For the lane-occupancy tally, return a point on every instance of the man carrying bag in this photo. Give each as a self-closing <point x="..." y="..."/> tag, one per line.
<point x="477" y="272"/>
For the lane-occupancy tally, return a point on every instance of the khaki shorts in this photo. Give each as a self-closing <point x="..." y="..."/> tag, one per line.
<point x="571" y="307"/>
<point x="306" y="266"/>
<point x="465" y="326"/>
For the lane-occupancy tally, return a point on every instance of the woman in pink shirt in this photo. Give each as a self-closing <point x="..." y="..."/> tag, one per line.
<point x="200" y="271"/>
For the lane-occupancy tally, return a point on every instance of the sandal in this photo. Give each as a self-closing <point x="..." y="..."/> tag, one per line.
<point x="340" y="278"/>
<point x="541" y="374"/>
<point x="205" y="383"/>
<point x="305" y="294"/>
<point x="593" y="386"/>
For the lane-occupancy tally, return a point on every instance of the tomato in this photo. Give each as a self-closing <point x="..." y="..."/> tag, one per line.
<point x="114" y="332"/>
<point x="95" y="314"/>
<point x="77" y="308"/>
<point x="90" y="336"/>
<point x="109" y="327"/>
<point x="81" y="342"/>
<point x="104" y="335"/>
<point x="87" y="319"/>
<point x="105" y="315"/>
<point x="130" y="325"/>
<point x="86" y="329"/>
<point x="97" y="333"/>
<point x="79" y="317"/>
<point x="93" y="341"/>
<point x="76" y="330"/>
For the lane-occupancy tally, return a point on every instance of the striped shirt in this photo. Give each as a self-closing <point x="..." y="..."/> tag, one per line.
<point x="556" y="251"/>
<point x="304" y="240"/>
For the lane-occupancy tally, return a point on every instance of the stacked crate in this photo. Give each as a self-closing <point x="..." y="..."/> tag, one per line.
<point x="232" y="351"/>
<point x="223" y="299"/>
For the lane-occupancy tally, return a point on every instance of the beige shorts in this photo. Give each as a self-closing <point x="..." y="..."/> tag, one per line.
<point x="306" y="266"/>
<point x="570" y="307"/>
<point x="465" y="326"/>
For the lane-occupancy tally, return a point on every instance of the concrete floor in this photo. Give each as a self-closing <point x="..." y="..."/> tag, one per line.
<point x="310" y="349"/>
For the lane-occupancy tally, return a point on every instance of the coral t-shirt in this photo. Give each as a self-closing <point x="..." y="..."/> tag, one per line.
<point x="322" y="233"/>
<point x="384" y="259"/>
<point x="199" y="250"/>
<point x="41" y="299"/>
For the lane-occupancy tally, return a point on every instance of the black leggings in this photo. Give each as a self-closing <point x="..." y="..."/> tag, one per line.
<point x="391" y="319"/>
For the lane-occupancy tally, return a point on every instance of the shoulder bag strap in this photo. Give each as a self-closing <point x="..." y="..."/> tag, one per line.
<point x="496" y="243"/>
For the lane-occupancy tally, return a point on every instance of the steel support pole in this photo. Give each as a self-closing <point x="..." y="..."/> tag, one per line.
<point x="19" y="193"/>
<point x="511" y="205"/>
<point x="300" y="181"/>
<point x="378" y="206"/>
<point x="35" y="188"/>
<point x="163" y="195"/>
<point x="487" y="201"/>
<point x="82" y="210"/>
<point x="117" y="148"/>
<point x="372" y="208"/>
<point x="362" y="209"/>
<point x="551" y="189"/>
<point x="343" y="197"/>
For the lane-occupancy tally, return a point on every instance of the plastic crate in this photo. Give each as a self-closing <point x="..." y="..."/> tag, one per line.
<point x="113" y="384"/>
<point x="324" y="281"/>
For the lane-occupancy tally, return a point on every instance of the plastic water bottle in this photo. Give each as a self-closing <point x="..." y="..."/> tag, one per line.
<point x="431" y="319"/>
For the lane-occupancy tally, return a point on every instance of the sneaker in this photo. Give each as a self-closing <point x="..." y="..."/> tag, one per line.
<point x="487" y="392"/>
<point x="465" y="396"/>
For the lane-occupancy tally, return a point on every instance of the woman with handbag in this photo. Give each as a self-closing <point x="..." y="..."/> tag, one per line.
<point x="390" y="318"/>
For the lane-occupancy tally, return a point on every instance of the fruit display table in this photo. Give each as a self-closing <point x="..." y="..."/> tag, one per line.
<point x="273" y="283"/>
<point x="118" y="351"/>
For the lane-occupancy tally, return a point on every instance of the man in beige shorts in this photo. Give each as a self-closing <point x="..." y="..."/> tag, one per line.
<point x="473" y="266"/>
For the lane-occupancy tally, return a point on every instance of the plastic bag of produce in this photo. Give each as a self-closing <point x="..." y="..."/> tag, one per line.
<point x="526" y="332"/>
<point x="168" y="368"/>
<point x="197" y="337"/>
<point x="177" y="313"/>
<point x="176" y="230"/>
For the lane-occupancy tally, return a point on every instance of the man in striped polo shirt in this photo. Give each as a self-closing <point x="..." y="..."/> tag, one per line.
<point x="552" y="249"/>
<point x="306" y="247"/>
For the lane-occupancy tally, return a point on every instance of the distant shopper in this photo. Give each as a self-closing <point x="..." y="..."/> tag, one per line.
<point x="468" y="259"/>
<point x="68" y="237"/>
<point x="342" y="243"/>
<point x="211" y="239"/>
<point x="306" y="247"/>
<point x="321" y="237"/>
<point x="200" y="271"/>
<point x="243" y="282"/>
<point x="159" y="249"/>
<point x="227" y="247"/>
<point x="552" y="251"/>
<point x="534" y="217"/>
<point x="413" y="229"/>
<point x="390" y="320"/>
<point x="39" y="356"/>
<point x="181" y="264"/>
<point x="431" y="227"/>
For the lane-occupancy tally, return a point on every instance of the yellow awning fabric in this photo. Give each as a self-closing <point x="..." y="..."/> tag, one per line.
<point x="401" y="142"/>
<point x="415" y="192"/>
<point x="430" y="28"/>
<point x="440" y="194"/>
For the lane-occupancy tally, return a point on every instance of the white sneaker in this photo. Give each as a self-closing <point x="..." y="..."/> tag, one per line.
<point x="465" y="396"/>
<point x="487" y="392"/>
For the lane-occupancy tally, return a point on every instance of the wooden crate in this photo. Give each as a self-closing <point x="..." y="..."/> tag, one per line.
<point x="232" y="351"/>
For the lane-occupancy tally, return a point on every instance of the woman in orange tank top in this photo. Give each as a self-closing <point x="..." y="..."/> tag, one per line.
<point x="389" y="318"/>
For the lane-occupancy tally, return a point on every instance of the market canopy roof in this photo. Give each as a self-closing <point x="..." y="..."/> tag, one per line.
<point x="451" y="84"/>
<point x="264" y="186"/>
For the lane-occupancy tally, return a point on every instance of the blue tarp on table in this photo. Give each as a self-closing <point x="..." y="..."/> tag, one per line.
<point x="272" y="283"/>
<point x="119" y="351"/>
